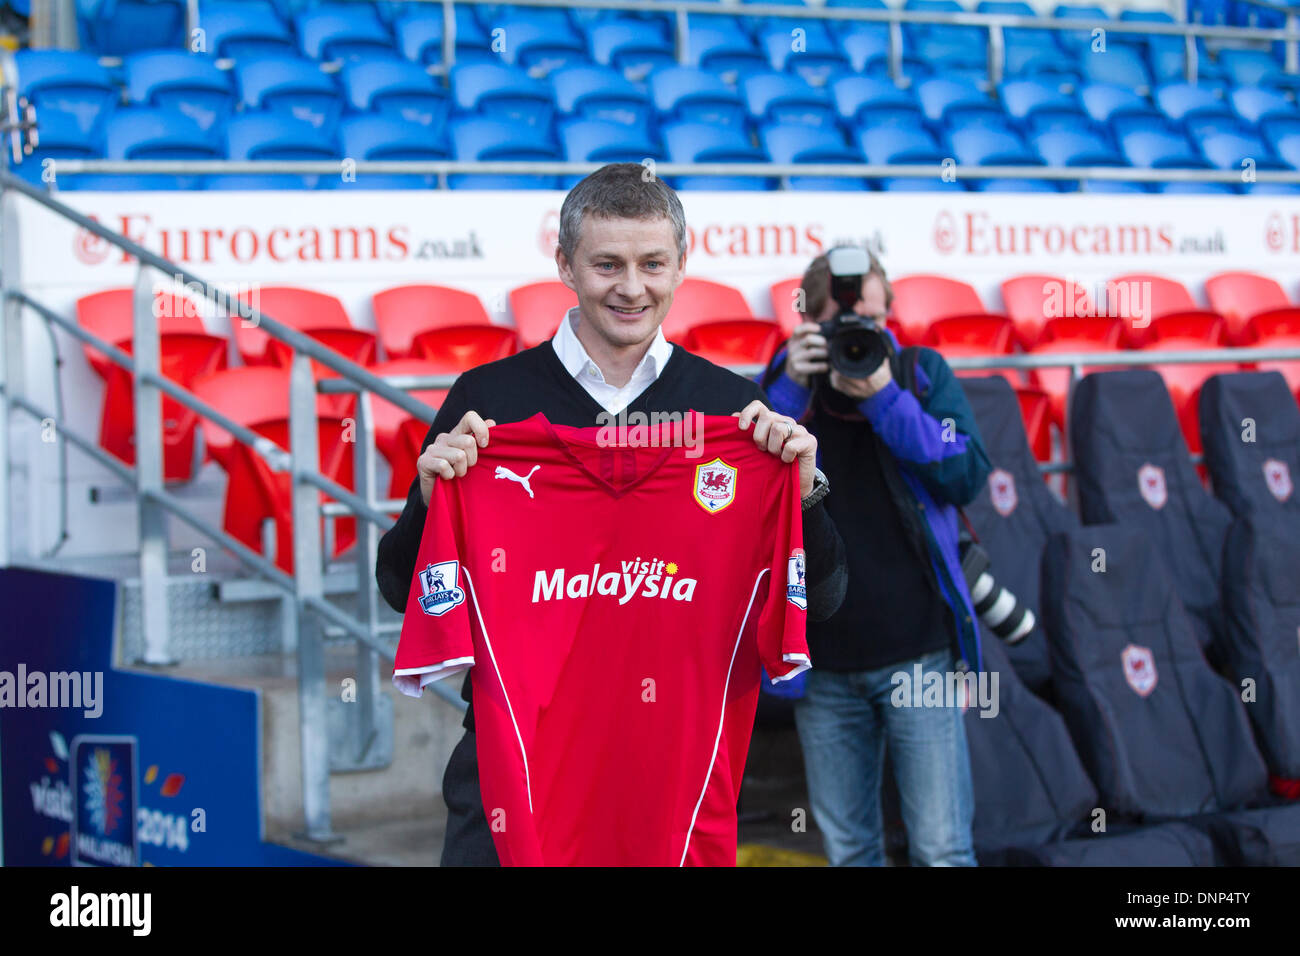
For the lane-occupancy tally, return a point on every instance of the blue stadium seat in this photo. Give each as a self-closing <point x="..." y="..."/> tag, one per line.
<point x="419" y="32"/>
<point x="981" y="146"/>
<point x="347" y="31"/>
<point x="690" y="93"/>
<point x="493" y="15"/>
<point x="869" y="53"/>
<point x="150" y="132"/>
<point x="397" y="88"/>
<point x="1232" y="150"/>
<point x="797" y="143"/>
<point x="496" y="139"/>
<point x="948" y="36"/>
<point x="899" y="144"/>
<point x="1158" y="149"/>
<point x="628" y="47"/>
<point x="1077" y="41"/>
<point x="786" y="99"/>
<point x="819" y="59"/>
<point x="756" y="25"/>
<point x="598" y="92"/>
<point x="502" y="92"/>
<point x="540" y="45"/>
<point x="60" y="137"/>
<point x="872" y="101"/>
<point x="727" y="53"/>
<point x="292" y="86"/>
<point x="119" y="27"/>
<point x="842" y="27"/>
<point x="1074" y="148"/>
<point x="713" y="143"/>
<point x="1288" y="147"/>
<point x="1195" y="108"/>
<point x="1025" y="52"/>
<point x="944" y="100"/>
<point x="1118" y="107"/>
<point x="600" y="141"/>
<point x="184" y="81"/>
<point x="390" y="138"/>
<point x="1037" y="104"/>
<point x="1118" y="64"/>
<point x="254" y="135"/>
<point x="69" y="81"/>
<point x="1250" y="67"/>
<point x="1259" y="104"/>
<point x="244" y="29"/>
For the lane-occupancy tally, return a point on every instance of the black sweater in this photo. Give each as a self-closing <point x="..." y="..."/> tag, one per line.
<point x="518" y="387"/>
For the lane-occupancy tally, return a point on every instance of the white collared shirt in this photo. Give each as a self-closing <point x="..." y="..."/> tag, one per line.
<point x="579" y="364"/>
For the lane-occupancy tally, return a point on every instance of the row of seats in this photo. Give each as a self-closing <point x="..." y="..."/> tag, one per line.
<point x="1129" y="693"/>
<point x="182" y="106"/>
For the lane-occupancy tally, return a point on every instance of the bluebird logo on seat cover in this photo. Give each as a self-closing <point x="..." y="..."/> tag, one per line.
<point x="1277" y="475"/>
<point x="1151" y="485"/>
<point x="1002" y="492"/>
<point x="440" y="584"/>
<point x="796" y="590"/>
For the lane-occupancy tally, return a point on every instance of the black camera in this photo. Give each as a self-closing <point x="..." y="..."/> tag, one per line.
<point x="999" y="609"/>
<point x="856" y="346"/>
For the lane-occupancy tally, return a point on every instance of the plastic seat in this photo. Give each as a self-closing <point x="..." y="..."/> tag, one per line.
<point x="538" y="309"/>
<point x="497" y="91"/>
<point x="186" y="82"/>
<point x="487" y="139"/>
<point x="629" y="47"/>
<point x="1034" y="301"/>
<point x="690" y="94"/>
<point x="1244" y="297"/>
<point x="817" y="60"/>
<point x="784" y="302"/>
<point x="60" y="137"/>
<point x="457" y="348"/>
<point x="944" y="100"/>
<point x="1184" y="102"/>
<point x="290" y="85"/>
<point x="245" y="30"/>
<point x="601" y="141"/>
<point x="120" y="27"/>
<point x="728" y="54"/>
<point x="920" y="299"/>
<point x="803" y="144"/>
<point x="343" y="32"/>
<point x="734" y="342"/>
<point x="390" y="138"/>
<point x="974" y="335"/>
<point x="1077" y="335"/>
<point x="396" y="88"/>
<point x="1118" y="64"/>
<point x="1184" y="381"/>
<point x="149" y="132"/>
<point x="977" y="146"/>
<point x="894" y="144"/>
<point x="1035" y="101"/>
<point x="1250" y="67"/>
<point x="780" y="98"/>
<point x="541" y="46"/>
<point x="1120" y="108"/>
<point x="1025" y="52"/>
<point x="694" y="142"/>
<point x="698" y="301"/>
<point x="403" y="311"/>
<point x="1141" y="300"/>
<point x="1231" y="150"/>
<point x="269" y="135"/>
<point x="598" y="92"/>
<point x="108" y="314"/>
<point x="1156" y="149"/>
<point x="418" y="34"/>
<point x="258" y="399"/>
<point x="395" y="428"/>
<point x="870" y="102"/>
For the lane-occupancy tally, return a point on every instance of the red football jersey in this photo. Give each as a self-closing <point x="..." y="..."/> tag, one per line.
<point x="615" y="604"/>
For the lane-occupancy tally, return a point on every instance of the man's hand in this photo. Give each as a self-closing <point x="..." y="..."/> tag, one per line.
<point x="807" y="352"/>
<point x="861" y="388"/>
<point x="453" y="452"/>
<point x="782" y="436"/>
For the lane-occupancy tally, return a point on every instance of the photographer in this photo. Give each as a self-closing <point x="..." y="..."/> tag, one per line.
<point x="898" y="441"/>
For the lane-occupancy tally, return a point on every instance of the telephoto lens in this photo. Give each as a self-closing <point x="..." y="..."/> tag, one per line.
<point x="997" y="607"/>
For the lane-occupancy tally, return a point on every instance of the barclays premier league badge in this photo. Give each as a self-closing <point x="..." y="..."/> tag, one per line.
<point x="796" y="589"/>
<point x="440" y="584"/>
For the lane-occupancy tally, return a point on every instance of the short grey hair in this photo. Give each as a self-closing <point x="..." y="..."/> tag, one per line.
<point x="620" y="191"/>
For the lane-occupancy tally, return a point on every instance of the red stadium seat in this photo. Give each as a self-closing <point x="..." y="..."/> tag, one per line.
<point x="457" y="348"/>
<point x="699" y="300"/>
<point x="108" y="315"/>
<point x="784" y="300"/>
<point x="300" y="309"/>
<point x="1036" y="413"/>
<point x="404" y="311"/>
<point x="389" y="421"/>
<point x="1184" y="381"/>
<point x="920" y="299"/>
<point x="1241" y="297"/>
<point x="258" y="398"/>
<point x="740" y="342"/>
<point x="1290" y="368"/>
<point x="1065" y="335"/>
<point x="538" y="308"/>
<point x="1127" y="295"/>
<point x="1035" y="301"/>
<point x="974" y="335"/>
<point x="183" y="357"/>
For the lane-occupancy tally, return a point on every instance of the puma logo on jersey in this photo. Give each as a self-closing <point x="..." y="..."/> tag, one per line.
<point x="504" y="472"/>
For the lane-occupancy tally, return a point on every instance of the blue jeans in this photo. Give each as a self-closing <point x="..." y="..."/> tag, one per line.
<point x="844" y="720"/>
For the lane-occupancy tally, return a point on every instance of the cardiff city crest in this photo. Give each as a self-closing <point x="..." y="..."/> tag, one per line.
<point x="441" y="586"/>
<point x="1002" y="491"/>
<point x="1277" y="475"/>
<point x="1139" y="669"/>
<point x="1151" y="485"/>
<point x="715" y="485"/>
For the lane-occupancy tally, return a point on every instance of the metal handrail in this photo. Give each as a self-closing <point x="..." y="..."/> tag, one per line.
<point x="440" y="167"/>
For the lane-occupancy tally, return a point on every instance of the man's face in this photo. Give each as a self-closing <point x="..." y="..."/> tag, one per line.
<point x="624" y="272"/>
<point x="870" y="306"/>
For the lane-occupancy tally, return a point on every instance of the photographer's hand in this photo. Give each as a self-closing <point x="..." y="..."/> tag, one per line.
<point x="861" y="388"/>
<point x="807" y="353"/>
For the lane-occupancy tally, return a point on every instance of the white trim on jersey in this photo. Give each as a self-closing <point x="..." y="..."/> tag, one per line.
<point x="722" y="717"/>
<point x="523" y="754"/>
<point x="411" y="681"/>
<point x="800" y="659"/>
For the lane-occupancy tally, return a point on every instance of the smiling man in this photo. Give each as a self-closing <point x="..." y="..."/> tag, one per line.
<point x="622" y="249"/>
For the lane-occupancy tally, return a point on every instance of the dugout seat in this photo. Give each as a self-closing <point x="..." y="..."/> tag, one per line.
<point x="920" y="299"/>
<point x="1132" y="466"/>
<point x="1163" y="737"/>
<point x="258" y="399"/>
<point x="698" y="301"/>
<point x="735" y="341"/>
<point x="538" y="308"/>
<point x="982" y="335"/>
<point x="1014" y="515"/>
<point x="1256" y="475"/>
<point x="404" y="311"/>
<point x="1242" y="296"/>
<point x="1034" y="301"/>
<point x="1168" y="300"/>
<point x="397" y="434"/>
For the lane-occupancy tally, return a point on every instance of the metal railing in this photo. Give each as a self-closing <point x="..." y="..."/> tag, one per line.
<point x="311" y="614"/>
